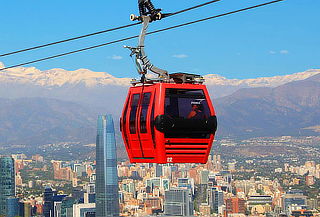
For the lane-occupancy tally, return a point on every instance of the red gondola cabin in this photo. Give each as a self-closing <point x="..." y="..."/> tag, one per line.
<point x="168" y="123"/>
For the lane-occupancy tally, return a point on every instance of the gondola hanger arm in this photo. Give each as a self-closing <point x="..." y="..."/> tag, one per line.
<point x="147" y="14"/>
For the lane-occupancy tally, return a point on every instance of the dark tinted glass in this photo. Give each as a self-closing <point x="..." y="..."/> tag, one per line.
<point x="134" y="108"/>
<point x="152" y="124"/>
<point x="188" y="111"/>
<point x="187" y="104"/>
<point x="144" y="112"/>
<point x="135" y="99"/>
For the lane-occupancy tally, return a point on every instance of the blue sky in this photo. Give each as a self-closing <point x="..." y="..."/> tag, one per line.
<point x="278" y="39"/>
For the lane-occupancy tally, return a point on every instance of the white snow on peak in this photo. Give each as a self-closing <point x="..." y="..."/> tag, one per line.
<point x="88" y="78"/>
<point x="60" y="77"/>
<point x="213" y="79"/>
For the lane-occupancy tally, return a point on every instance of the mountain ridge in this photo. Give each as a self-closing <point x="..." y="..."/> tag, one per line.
<point x="36" y="114"/>
<point x="289" y="109"/>
<point x="60" y="77"/>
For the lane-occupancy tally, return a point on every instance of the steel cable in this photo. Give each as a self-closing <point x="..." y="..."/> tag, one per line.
<point x="150" y="33"/>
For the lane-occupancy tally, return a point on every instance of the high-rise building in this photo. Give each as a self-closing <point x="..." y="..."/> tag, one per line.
<point x="7" y="182"/>
<point x="57" y="208"/>
<point x="232" y="166"/>
<point x="67" y="206"/>
<point x="165" y="184"/>
<point x="12" y="207"/>
<point x="310" y="180"/>
<point x="235" y="205"/>
<point x="155" y="183"/>
<point x="258" y="201"/>
<point x="186" y="183"/>
<point x="178" y="202"/>
<point x="294" y="200"/>
<point x="215" y="199"/>
<point x="84" y="209"/>
<point x="201" y="195"/>
<point x="204" y="176"/>
<point x="107" y="199"/>
<point x="217" y="162"/>
<point x="158" y="170"/>
<point x="52" y="202"/>
<point x="25" y="209"/>
<point x="48" y="202"/>
<point x="152" y="205"/>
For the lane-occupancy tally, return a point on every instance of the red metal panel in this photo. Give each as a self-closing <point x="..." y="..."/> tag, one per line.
<point x="124" y="126"/>
<point x="159" y="110"/>
<point x="133" y="138"/>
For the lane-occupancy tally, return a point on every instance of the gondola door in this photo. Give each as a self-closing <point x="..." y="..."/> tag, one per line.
<point x="144" y="123"/>
<point x="132" y="114"/>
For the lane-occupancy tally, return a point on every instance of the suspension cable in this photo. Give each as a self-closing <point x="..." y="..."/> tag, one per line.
<point x="69" y="39"/>
<point x="136" y="36"/>
<point x="188" y="9"/>
<point x="103" y="31"/>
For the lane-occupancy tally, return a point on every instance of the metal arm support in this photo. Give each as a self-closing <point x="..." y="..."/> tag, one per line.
<point x="143" y="64"/>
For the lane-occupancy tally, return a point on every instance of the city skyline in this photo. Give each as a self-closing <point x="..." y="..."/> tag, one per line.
<point x="215" y="188"/>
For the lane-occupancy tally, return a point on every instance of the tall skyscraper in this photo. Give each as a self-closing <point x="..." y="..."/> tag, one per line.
<point x="178" y="202"/>
<point x="48" y="202"/>
<point x="67" y="206"/>
<point x="52" y="202"/>
<point x="12" y="207"/>
<point x="7" y="182"/>
<point x="107" y="199"/>
<point x="204" y="176"/>
<point x="158" y="170"/>
<point x="215" y="198"/>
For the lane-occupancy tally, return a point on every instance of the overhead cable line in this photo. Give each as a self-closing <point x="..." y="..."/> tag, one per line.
<point x="69" y="39"/>
<point x="136" y="36"/>
<point x="189" y="9"/>
<point x="103" y="31"/>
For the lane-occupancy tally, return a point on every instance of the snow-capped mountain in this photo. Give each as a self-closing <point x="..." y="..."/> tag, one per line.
<point x="61" y="77"/>
<point x="290" y="109"/>
<point x="213" y="79"/>
<point x="58" y="105"/>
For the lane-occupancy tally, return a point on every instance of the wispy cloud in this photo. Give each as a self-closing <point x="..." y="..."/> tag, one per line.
<point x="116" y="57"/>
<point x="272" y="52"/>
<point x="180" y="56"/>
<point x="284" y="51"/>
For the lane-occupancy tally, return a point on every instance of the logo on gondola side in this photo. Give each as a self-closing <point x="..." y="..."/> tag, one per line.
<point x="169" y="159"/>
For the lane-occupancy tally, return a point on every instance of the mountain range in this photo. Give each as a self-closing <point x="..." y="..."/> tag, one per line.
<point x="88" y="78"/>
<point x="289" y="109"/>
<point x="56" y="105"/>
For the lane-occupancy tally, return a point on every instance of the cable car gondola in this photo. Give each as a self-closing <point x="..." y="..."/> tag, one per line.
<point x="169" y="119"/>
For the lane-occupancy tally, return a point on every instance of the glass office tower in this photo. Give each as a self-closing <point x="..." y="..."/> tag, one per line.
<point x="12" y="207"/>
<point x="107" y="199"/>
<point x="48" y="201"/>
<point x="7" y="182"/>
<point x="178" y="202"/>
